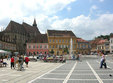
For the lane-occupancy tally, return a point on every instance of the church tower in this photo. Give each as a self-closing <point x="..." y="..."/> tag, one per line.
<point x="34" y="23"/>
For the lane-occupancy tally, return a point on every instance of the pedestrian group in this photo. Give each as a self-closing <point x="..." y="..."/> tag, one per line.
<point x="17" y="61"/>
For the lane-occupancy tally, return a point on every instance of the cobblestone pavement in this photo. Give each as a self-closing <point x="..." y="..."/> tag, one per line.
<point x="84" y="71"/>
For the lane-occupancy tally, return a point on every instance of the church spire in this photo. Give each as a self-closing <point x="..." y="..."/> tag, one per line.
<point x="34" y="23"/>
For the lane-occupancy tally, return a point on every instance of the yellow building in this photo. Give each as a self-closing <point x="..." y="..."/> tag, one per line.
<point x="61" y="42"/>
<point x="83" y="46"/>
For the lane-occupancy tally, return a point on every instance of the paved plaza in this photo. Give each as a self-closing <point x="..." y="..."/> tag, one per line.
<point x="84" y="71"/>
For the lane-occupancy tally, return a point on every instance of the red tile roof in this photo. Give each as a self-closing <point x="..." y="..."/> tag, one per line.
<point x="81" y="40"/>
<point x="95" y="41"/>
<point x="102" y="41"/>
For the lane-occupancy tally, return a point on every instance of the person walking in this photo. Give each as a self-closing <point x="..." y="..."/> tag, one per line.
<point x="20" y="62"/>
<point x="12" y="62"/>
<point x="26" y="61"/>
<point x="15" y="61"/>
<point x="103" y="62"/>
<point x="78" y="57"/>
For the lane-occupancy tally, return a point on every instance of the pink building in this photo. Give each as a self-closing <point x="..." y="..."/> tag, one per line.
<point x="38" y="45"/>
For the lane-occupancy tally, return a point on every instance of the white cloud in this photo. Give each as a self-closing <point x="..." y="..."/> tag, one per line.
<point x="97" y="0"/>
<point x="93" y="8"/>
<point x="101" y="0"/>
<point x="85" y="27"/>
<point x="44" y="11"/>
<point x="20" y="8"/>
<point x="68" y="8"/>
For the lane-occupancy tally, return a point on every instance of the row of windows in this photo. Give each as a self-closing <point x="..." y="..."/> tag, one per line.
<point x="38" y="46"/>
<point x="111" y="41"/>
<point x="59" y="41"/>
<point x="60" y="46"/>
<point x="83" y="46"/>
<point x="100" y="47"/>
<point x="35" y="53"/>
<point x="111" y="47"/>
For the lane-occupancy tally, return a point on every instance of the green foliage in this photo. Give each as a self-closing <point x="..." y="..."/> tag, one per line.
<point x="104" y="37"/>
<point x="52" y="52"/>
<point x="66" y="50"/>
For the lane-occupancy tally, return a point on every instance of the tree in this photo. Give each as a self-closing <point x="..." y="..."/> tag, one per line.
<point x="104" y="37"/>
<point x="52" y="51"/>
<point x="66" y="50"/>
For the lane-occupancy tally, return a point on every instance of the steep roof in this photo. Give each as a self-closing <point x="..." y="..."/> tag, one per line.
<point x="15" y="27"/>
<point x="42" y="38"/>
<point x="60" y="33"/>
<point x="30" y="29"/>
<point x="81" y="40"/>
<point x="21" y="28"/>
<point x="34" y="23"/>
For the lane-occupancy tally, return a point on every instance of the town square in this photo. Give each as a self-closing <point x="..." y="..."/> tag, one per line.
<point x="56" y="41"/>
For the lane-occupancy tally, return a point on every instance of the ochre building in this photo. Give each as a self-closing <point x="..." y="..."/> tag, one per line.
<point x="83" y="46"/>
<point x="61" y="42"/>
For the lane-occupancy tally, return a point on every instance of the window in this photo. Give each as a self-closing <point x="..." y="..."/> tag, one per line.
<point x="78" y="46"/>
<point x="83" y="46"/>
<point x="62" y="46"/>
<point x="56" y="41"/>
<point x="62" y="41"/>
<point x="37" y="52"/>
<point x="53" y="46"/>
<point x="68" y="46"/>
<point x="56" y="46"/>
<point x="59" y="46"/>
<point x="37" y="46"/>
<point x="74" y="46"/>
<point x="111" y="47"/>
<point x="34" y="46"/>
<point x="34" y="53"/>
<point x="45" y="46"/>
<point x="50" y="41"/>
<point x="59" y="41"/>
<point x="50" y="46"/>
<point x="40" y="46"/>
<point x="29" y="46"/>
<point x="74" y="41"/>
<point x="53" y="40"/>
<point x="89" y="46"/>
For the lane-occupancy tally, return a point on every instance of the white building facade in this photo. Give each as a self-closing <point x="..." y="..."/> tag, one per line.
<point x="111" y="44"/>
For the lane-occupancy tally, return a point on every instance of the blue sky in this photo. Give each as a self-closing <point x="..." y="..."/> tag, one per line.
<point x="84" y="7"/>
<point x="86" y="18"/>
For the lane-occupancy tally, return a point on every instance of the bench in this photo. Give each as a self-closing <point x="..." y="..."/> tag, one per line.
<point x="3" y="64"/>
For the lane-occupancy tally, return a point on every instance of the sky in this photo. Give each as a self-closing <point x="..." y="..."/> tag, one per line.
<point x="86" y="18"/>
